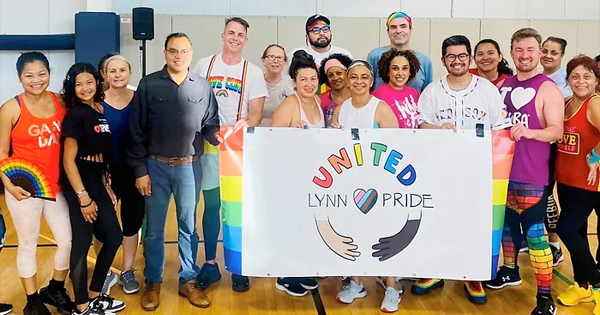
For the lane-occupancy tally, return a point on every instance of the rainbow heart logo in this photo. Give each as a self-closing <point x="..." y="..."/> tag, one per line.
<point x="365" y="199"/>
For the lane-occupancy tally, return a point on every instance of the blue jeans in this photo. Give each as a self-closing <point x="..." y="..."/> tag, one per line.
<point x="2" y="231"/>
<point x="184" y="183"/>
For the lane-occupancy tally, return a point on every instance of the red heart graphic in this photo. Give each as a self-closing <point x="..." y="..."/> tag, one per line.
<point x="97" y="128"/>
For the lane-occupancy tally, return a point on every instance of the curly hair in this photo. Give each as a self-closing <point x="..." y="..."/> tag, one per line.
<point x="385" y="63"/>
<point x="302" y="60"/>
<point x="585" y="61"/>
<point x="344" y="59"/>
<point x="68" y="90"/>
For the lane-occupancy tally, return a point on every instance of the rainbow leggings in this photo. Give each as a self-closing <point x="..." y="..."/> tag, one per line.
<point x="526" y="209"/>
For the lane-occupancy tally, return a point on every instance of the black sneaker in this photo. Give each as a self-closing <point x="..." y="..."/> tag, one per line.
<point x="208" y="275"/>
<point x="545" y="305"/>
<point x="107" y="303"/>
<point x="58" y="298"/>
<point x="557" y="255"/>
<point x="93" y="310"/>
<point x="5" y="308"/>
<point x="291" y="286"/>
<point x="36" y="307"/>
<point x="308" y="283"/>
<point x="240" y="283"/>
<point x="505" y="277"/>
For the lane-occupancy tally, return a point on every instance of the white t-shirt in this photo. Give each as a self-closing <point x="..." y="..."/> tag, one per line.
<point x="226" y="81"/>
<point x="277" y="93"/>
<point x="318" y="55"/>
<point x="480" y="102"/>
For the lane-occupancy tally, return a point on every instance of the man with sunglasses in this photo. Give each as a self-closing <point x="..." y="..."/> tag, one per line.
<point x="318" y="42"/>
<point x="459" y="101"/>
<point x="399" y="27"/>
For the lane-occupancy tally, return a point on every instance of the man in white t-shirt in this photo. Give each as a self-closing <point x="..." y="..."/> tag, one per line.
<point x="459" y="101"/>
<point x="240" y="91"/>
<point x="318" y="40"/>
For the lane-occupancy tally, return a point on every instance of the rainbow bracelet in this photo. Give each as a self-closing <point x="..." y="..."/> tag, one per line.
<point x="592" y="157"/>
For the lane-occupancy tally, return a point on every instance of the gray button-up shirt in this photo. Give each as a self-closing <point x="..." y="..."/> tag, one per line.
<point x="170" y="120"/>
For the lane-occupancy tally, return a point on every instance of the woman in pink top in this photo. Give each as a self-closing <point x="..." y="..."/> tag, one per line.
<point x="397" y="68"/>
<point x="333" y="73"/>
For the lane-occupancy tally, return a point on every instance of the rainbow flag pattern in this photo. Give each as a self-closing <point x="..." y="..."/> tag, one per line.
<point x="28" y="176"/>
<point x="503" y="147"/>
<point x="230" y="172"/>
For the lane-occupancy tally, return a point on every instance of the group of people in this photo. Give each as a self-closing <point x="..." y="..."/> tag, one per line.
<point x="99" y="142"/>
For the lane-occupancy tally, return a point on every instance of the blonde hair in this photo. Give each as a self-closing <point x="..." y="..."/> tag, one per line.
<point x="523" y="33"/>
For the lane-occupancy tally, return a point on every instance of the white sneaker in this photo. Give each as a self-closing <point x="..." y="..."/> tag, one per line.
<point x="398" y="283"/>
<point x="107" y="303"/>
<point x="390" y="302"/>
<point x="351" y="292"/>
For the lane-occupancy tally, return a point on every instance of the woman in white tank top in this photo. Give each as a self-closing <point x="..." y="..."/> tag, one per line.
<point x="362" y="110"/>
<point x="303" y="109"/>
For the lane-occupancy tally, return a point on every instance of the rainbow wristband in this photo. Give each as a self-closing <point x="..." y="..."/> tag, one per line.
<point x="592" y="157"/>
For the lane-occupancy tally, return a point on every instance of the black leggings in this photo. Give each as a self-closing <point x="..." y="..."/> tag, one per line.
<point x="551" y="209"/>
<point x="106" y="229"/>
<point x="132" y="203"/>
<point x="577" y="204"/>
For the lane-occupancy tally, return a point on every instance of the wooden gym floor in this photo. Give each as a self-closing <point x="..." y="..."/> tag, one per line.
<point x="263" y="298"/>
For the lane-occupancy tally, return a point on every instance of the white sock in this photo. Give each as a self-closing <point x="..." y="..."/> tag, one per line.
<point x="555" y="244"/>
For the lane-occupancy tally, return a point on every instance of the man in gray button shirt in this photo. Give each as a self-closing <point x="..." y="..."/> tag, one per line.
<point x="172" y="111"/>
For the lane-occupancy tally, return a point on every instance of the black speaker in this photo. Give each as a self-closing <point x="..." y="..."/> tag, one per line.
<point x="143" y="23"/>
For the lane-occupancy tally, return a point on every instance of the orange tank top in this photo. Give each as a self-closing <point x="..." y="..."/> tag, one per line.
<point x="37" y="140"/>
<point x="579" y="138"/>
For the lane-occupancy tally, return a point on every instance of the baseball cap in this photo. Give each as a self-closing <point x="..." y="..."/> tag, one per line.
<point x="313" y="19"/>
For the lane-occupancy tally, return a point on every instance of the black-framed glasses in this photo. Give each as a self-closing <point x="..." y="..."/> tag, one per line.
<point x="275" y="58"/>
<point x="325" y="29"/>
<point x="461" y="57"/>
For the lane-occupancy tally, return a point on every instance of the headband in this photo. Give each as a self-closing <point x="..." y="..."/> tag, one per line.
<point x="397" y="15"/>
<point x="334" y="63"/>
<point x="360" y="63"/>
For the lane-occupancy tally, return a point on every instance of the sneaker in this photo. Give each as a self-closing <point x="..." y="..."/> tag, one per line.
<point x="107" y="303"/>
<point x="109" y="282"/>
<point x="390" y="302"/>
<point x="59" y="298"/>
<point x="545" y="305"/>
<point x="240" y="283"/>
<point x="208" y="275"/>
<point x="92" y="310"/>
<point x="381" y="282"/>
<point x="291" y="286"/>
<point x="128" y="282"/>
<point x="351" y="292"/>
<point x="505" y="277"/>
<point x="575" y="295"/>
<point x="346" y="280"/>
<point x="475" y="291"/>
<point x="557" y="255"/>
<point x="424" y="286"/>
<point x="5" y="308"/>
<point x="524" y="247"/>
<point x="36" y="307"/>
<point x="308" y="283"/>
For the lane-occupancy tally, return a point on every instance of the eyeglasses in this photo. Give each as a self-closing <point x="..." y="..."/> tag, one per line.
<point x="316" y="30"/>
<point x="275" y="58"/>
<point x="174" y="52"/>
<point x="461" y="57"/>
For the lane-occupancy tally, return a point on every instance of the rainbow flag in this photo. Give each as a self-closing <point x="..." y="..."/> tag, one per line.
<point x="503" y="147"/>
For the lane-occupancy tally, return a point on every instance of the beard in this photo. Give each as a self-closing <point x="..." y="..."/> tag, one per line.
<point x="320" y="43"/>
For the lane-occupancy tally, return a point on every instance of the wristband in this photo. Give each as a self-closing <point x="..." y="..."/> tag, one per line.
<point x="593" y="157"/>
<point x="80" y="192"/>
<point x="89" y="204"/>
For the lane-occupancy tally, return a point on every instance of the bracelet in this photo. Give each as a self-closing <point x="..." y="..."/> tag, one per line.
<point x="593" y="157"/>
<point x="89" y="204"/>
<point x="80" y="192"/>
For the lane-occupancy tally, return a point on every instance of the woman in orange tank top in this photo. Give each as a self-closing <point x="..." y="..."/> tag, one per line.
<point x="577" y="179"/>
<point x="31" y="123"/>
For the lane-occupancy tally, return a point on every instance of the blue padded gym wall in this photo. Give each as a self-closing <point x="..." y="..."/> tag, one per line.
<point x="96" y="34"/>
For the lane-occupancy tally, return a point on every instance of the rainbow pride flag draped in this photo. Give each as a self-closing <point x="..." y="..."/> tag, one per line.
<point x="231" y="171"/>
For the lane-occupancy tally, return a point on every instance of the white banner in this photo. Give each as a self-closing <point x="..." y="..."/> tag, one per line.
<point x="410" y="203"/>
